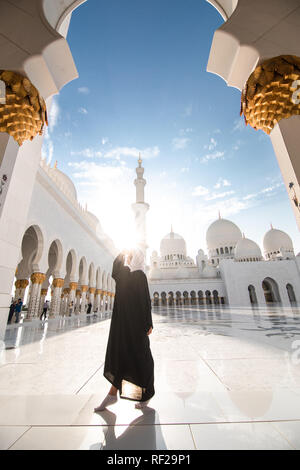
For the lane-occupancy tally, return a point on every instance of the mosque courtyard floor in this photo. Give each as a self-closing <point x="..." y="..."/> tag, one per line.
<point x="224" y="379"/>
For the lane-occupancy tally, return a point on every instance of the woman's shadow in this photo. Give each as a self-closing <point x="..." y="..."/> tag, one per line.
<point x="144" y="433"/>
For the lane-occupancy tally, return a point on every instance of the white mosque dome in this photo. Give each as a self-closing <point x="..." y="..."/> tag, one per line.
<point x="172" y="244"/>
<point x="64" y="182"/>
<point x="276" y="240"/>
<point x="247" y="250"/>
<point x="222" y="233"/>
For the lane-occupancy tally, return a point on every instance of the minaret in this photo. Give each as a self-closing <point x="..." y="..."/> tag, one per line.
<point x="140" y="207"/>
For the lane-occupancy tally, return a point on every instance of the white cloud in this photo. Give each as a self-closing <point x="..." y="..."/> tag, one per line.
<point x="82" y="111"/>
<point x="180" y="143"/>
<point x="214" y="196"/>
<point x="212" y="156"/>
<point x="118" y="152"/>
<point x="147" y="153"/>
<point x="200" y="191"/>
<point x="239" y="125"/>
<point x="54" y="114"/>
<point x="84" y="90"/>
<point x="88" y="153"/>
<point x="186" y="131"/>
<point x="222" y="183"/>
<point x="104" y="140"/>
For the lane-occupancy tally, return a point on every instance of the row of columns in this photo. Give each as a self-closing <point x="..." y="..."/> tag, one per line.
<point x="158" y="301"/>
<point x="64" y="300"/>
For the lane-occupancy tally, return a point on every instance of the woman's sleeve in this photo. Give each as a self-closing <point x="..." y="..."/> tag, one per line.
<point x="118" y="267"/>
<point x="146" y="302"/>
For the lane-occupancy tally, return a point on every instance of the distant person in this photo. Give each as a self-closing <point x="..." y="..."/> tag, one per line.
<point x="11" y="311"/>
<point x="89" y="309"/>
<point x="18" y="310"/>
<point x="129" y="365"/>
<point x="45" y="310"/>
<point x="71" y="308"/>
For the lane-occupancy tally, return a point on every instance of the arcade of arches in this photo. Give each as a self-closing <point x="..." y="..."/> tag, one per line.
<point x="70" y="286"/>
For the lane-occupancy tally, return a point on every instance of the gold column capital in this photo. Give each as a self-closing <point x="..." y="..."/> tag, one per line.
<point x="84" y="288"/>
<point x="270" y="93"/>
<point x="58" y="282"/>
<point x="78" y="293"/>
<point x="24" y="113"/>
<point x="44" y="292"/>
<point x="21" y="283"/>
<point x="66" y="290"/>
<point x="37" y="278"/>
<point x="92" y="290"/>
<point x="98" y="291"/>
<point x="73" y="285"/>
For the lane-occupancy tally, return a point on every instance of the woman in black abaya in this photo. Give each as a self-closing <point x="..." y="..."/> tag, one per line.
<point x="129" y="365"/>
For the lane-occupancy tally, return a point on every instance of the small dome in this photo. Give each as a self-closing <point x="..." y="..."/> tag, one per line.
<point x="276" y="240"/>
<point x="222" y="233"/>
<point x="172" y="244"/>
<point x="247" y="250"/>
<point x="66" y="184"/>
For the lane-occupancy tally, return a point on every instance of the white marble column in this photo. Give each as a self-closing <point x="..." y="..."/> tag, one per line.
<point x="57" y="285"/>
<point x="37" y="280"/>
<point x="84" y="290"/>
<point x="77" y="305"/>
<point x="72" y="297"/>
<point x="97" y="300"/>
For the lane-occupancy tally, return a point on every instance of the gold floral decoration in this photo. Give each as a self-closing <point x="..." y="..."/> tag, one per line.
<point x="269" y="94"/>
<point x="24" y="113"/>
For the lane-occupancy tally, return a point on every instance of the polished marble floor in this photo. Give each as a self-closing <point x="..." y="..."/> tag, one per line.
<point x="225" y="379"/>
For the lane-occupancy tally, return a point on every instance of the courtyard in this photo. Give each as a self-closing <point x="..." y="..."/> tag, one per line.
<point x="225" y="379"/>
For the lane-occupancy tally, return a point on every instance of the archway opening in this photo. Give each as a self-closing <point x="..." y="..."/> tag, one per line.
<point x="252" y="295"/>
<point x="271" y="291"/>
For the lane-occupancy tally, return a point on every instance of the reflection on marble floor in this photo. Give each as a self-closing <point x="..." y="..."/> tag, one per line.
<point x="225" y="379"/>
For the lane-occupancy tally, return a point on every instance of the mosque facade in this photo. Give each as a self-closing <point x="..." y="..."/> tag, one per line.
<point x="234" y="271"/>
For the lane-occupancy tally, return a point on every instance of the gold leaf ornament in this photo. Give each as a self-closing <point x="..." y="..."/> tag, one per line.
<point x="269" y="94"/>
<point x="24" y="113"/>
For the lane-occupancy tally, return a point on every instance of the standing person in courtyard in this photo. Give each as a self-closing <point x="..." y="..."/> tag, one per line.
<point x="89" y="309"/>
<point x="18" y="310"/>
<point x="11" y="311"/>
<point x="45" y="310"/>
<point x="129" y="365"/>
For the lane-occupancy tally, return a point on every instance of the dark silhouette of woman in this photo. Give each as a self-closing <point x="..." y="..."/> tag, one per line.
<point x="129" y="365"/>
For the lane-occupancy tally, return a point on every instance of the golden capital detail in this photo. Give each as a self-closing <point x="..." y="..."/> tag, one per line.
<point x="272" y="93"/>
<point x="44" y="292"/>
<point x="21" y="283"/>
<point x="73" y="285"/>
<point x="37" y="278"/>
<point x="84" y="288"/>
<point x="66" y="290"/>
<point x="98" y="291"/>
<point x="92" y="290"/>
<point x="58" y="282"/>
<point x="24" y="113"/>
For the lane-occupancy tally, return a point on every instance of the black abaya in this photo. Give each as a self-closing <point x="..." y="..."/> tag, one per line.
<point x="129" y="364"/>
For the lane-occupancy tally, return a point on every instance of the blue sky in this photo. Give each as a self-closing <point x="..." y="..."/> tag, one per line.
<point x="143" y="86"/>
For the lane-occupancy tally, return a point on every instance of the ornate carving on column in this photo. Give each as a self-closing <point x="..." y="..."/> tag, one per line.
<point x="21" y="285"/>
<point x="57" y="285"/>
<point x="73" y="285"/>
<point x="37" y="280"/>
<point x="84" y="290"/>
<point x="24" y="113"/>
<point x="272" y="93"/>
